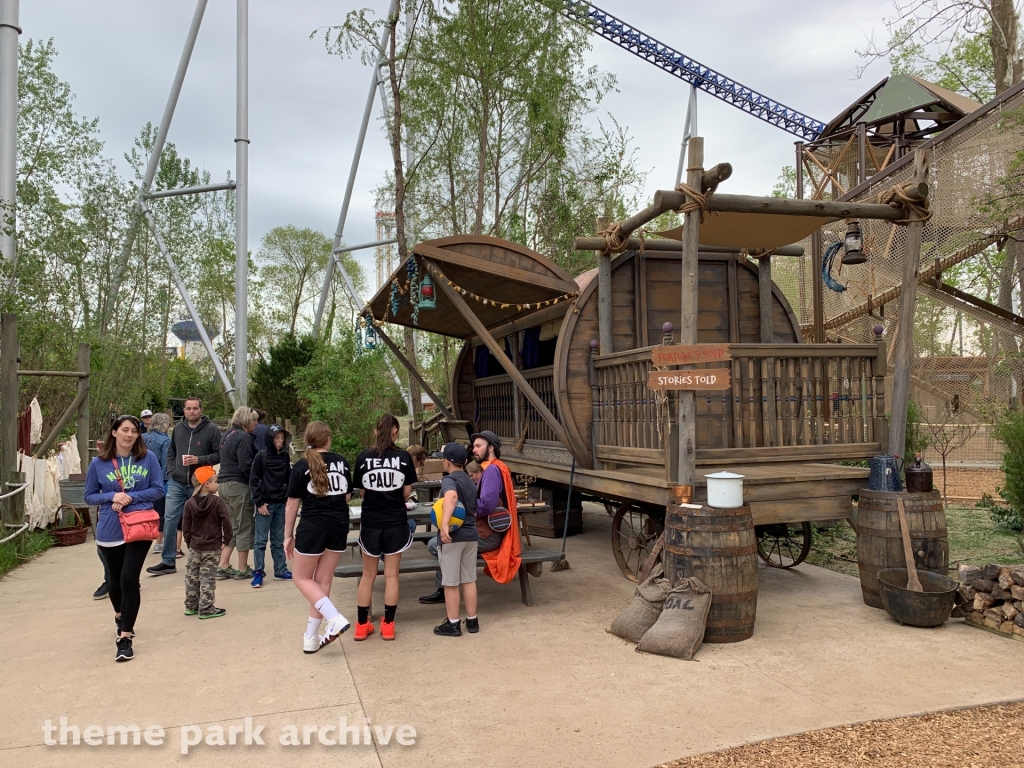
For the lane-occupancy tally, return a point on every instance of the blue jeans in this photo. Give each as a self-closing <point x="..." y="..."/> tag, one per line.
<point x="271" y="525"/>
<point x="177" y="495"/>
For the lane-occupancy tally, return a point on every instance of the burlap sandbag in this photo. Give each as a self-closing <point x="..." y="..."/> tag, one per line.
<point x="679" y="630"/>
<point x="645" y="608"/>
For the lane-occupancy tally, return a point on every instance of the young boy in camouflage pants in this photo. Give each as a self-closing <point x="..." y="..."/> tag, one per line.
<point x="206" y="529"/>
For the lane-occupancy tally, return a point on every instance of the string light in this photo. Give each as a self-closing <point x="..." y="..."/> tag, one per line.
<point x="503" y="305"/>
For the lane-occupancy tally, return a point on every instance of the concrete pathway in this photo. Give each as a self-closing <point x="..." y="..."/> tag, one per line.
<point x="545" y="686"/>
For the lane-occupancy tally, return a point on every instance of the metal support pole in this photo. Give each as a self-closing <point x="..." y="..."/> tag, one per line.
<point x="686" y="473"/>
<point x="83" y="409"/>
<point x="688" y="133"/>
<point x="154" y="155"/>
<point x="340" y="229"/>
<point x="242" y="207"/>
<point x="9" y="31"/>
<point x="191" y="190"/>
<point x="8" y="403"/>
<point x="185" y="297"/>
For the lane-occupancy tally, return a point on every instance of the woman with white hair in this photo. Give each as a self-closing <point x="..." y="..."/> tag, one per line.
<point x="237" y="452"/>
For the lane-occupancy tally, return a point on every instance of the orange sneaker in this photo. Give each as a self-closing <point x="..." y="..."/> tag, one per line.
<point x="387" y="630"/>
<point x="363" y="631"/>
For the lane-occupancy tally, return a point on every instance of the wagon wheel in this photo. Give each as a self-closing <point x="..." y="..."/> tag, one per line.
<point x="784" y="545"/>
<point x="634" y="532"/>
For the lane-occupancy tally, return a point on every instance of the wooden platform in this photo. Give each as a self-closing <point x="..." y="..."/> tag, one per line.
<point x="776" y="492"/>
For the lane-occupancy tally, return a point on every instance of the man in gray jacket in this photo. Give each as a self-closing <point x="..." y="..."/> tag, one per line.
<point x="195" y="442"/>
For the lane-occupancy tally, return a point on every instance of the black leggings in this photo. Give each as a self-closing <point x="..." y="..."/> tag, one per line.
<point x="125" y="563"/>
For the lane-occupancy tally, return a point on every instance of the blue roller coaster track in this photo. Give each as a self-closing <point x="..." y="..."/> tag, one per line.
<point x="693" y="72"/>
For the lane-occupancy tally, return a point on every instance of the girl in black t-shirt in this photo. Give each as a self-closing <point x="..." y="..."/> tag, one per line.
<point x="322" y="482"/>
<point x="386" y="474"/>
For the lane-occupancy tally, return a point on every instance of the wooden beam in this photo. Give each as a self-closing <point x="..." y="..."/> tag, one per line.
<point x="664" y="244"/>
<point x="499" y="353"/>
<point x="670" y="199"/>
<point x="604" y="292"/>
<point x="414" y="373"/>
<point x="64" y="374"/>
<point x="72" y="410"/>
<point x="817" y="298"/>
<point x="903" y="356"/>
<point x="764" y="285"/>
<point x="532" y="320"/>
<point x="8" y="404"/>
<point x="83" y="409"/>
<point x="686" y="467"/>
<point x="980" y="303"/>
<point x="493" y="268"/>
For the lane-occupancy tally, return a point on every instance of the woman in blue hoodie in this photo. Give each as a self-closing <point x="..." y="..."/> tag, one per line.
<point x="123" y="478"/>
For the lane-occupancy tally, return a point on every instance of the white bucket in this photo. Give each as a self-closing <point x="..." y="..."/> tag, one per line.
<point x="725" y="490"/>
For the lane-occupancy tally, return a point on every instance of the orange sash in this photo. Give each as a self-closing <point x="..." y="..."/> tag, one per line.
<point x="502" y="564"/>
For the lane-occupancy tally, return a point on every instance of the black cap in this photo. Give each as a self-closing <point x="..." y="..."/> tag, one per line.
<point x="455" y="453"/>
<point x="491" y="438"/>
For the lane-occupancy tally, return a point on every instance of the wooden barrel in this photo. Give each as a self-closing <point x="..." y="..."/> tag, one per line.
<point x="718" y="547"/>
<point x="879" y="542"/>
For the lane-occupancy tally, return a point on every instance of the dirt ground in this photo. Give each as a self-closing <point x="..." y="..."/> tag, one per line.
<point x="983" y="737"/>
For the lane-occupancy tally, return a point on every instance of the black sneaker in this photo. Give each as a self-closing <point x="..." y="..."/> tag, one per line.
<point x="472" y="626"/>
<point x="101" y="591"/>
<point x="161" y="568"/>
<point x="212" y="613"/>
<point x="124" y="650"/>
<point x="434" y="598"/>
<point x="447" y="629"/>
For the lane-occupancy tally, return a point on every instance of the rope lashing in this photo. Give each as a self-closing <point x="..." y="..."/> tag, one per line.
<point x="897" y="198"/>
<point x="614" y="239"/>
<point x="757" y="253"/>
<point x="698" y="201"/>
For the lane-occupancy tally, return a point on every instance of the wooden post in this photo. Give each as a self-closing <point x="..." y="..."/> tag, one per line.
<point x="17" y="507"/>
<point x="595" y="406"/>
<point x="604" y="294"/>
<point x="817" y="300"/>
<point x="881" y="368"/>
<point x="686" y="470"/>
<point x="8" y="404"/>
<point x="862" y="154"/>
<point x="903" y="356"/>
<point x="83" y="409"/>
<point x="764" y="284"/>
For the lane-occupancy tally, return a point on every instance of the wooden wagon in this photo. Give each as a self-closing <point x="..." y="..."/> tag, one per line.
<point x="528" y="371"/>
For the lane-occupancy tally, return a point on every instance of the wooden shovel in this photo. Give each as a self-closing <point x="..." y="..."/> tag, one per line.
<point x="913" y="583"/>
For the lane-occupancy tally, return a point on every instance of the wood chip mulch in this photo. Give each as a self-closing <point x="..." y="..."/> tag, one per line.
<point x="982" y="737"/>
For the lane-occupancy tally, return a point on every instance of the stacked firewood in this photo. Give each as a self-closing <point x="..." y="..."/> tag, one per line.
<point x="994" y="597"/>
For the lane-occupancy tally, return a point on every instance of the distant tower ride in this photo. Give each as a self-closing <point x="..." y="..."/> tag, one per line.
<point x="387" y="255"/>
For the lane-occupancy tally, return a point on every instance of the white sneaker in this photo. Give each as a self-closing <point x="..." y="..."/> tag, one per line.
<point x="333" y="630"/>
<point x="310" y="643"/>
<point x="158" y="548"/>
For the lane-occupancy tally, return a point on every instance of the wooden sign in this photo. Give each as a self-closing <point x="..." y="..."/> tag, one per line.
<point x="685" y="354"/>
<point x="708" y="378"/>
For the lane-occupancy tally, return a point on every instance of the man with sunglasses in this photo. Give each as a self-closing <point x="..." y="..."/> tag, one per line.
<point x="195" y="442"/>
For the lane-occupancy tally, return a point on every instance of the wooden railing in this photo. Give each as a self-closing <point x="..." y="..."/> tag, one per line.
<point x="504" y="411"/>
<point x="796" y="402"/>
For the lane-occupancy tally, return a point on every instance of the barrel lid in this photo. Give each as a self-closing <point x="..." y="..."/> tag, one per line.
<point x="726" y="476"/>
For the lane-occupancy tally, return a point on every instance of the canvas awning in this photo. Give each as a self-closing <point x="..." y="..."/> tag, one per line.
<point x="499" y="280"/>
<point x="752" y="230"/>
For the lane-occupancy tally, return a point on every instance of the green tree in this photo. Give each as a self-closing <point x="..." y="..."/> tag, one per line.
<point x="272" y="388"/>
<point x="348" y="388"/>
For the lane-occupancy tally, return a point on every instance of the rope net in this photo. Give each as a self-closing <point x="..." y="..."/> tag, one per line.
<point x="968" y="361"/>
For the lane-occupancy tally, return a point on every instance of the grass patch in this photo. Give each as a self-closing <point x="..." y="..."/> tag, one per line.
<point x="36" y="542"/>
<point x="974" y="539"/>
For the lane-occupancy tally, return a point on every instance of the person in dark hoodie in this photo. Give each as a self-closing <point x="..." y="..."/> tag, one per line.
<point x="206" y="530"/>
<point x="236" y="456"/>
<point x="195" y="442"/>
<point x="268" y="482"/>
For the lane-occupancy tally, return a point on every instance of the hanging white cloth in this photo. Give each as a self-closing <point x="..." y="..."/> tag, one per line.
<point x="37" y="421"/>
<point x="70" y="460"/>
<point x="35" y="476"/>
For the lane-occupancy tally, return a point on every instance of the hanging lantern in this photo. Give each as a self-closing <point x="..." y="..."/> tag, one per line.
<point x="369" y="338"/>
<point x="427" y="299"/>
<point x="854" y="253"/>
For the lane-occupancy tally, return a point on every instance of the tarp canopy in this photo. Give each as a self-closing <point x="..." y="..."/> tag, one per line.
<point x="499" y="280"/>
<point x="752" y="230"/>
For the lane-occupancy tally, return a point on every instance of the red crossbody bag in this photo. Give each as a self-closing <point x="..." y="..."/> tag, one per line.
<point x="140" y="525"/>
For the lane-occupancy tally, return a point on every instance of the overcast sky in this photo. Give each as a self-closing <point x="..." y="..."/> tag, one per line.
<point x="305" y="105"/>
